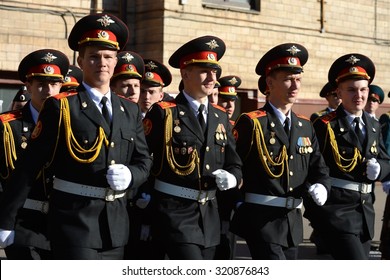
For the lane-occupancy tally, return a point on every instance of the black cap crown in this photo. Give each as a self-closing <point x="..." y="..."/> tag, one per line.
<point x="327" y="89"/>
<point x="130" y="65"/>
<point x="228" y="86"/>
<point x="46" y="64"/>
<point x="99" y="29"/>
<point x="206" y="50"/>
<point x="289" y="56"/>
<point x="377" y="93"/>
<point x="22" y="95"/>
<point x="156" y="74"/>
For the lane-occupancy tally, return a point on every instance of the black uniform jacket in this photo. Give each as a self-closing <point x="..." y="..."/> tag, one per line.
<point x="318" y="114"/>
<point x="31" y="225"/>
<point x="348" y="211"/>
<point x="179" y="219"/>
<point x="77" y="220"/>
<point x="306" y="166"/>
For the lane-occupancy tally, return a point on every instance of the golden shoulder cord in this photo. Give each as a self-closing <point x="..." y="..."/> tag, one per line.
<point x="72" y="144"/>
<point x="337" y="157"/>
<point x="9" y="149"/>
<point x="181" y="170"/>
<point x="264" y="156"/>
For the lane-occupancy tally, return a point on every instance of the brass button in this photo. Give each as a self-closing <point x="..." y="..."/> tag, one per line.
<point x="112" y="144"/>
<point x="207" y="167"/>
<point x="291" y="157"/>
<point x="112" y="162"/>
<point x="207" y="148"/>
<point x="291" y="189"/>
<point x="85" y="141"/>
<point x="291" y="173"/>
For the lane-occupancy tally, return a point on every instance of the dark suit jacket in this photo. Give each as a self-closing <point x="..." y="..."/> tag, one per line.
<point x="348" y="211"/>
<point x="76" y="220"/>
<point x="178" y="219"/>
<point x="276" y="224"/>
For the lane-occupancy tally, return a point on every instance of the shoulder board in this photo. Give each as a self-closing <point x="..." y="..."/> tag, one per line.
<point x="303" y="117"/>
<point x="166" y="104"/>
<point x="232" y="122"/>
<point x="218" y="107"/>
<point x="320" y="113"/>
<point x="256" y="114"/>
<point x="64" y="94"/>
<point x="10" y="116"/>
<point x="328" y="117"/>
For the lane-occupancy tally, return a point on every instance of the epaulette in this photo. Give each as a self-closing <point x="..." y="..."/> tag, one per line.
<point x="216" y="106"/>
<point x="166" y="104"/>
<point x="256" y="114"/>
<point x="10" y="116"/>
<point x="64" y="94"/>
<point x="328" y="117"/>
<point x="303" y="117"/>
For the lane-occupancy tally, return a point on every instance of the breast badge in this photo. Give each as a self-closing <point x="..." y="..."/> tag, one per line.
<point x="304" y="145"/>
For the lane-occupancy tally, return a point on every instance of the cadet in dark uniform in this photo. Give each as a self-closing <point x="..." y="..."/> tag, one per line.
<point x="128" y="74"/>
<point x="227" y="200"/>
<point x="282" y="161"/>
<point x="73" y="79"/>
<point x="43" y="72"/>
<point x="329" y="93"/>
<point x="21" y="98"/>
<point x="352" y="146"/>
<point x="94" y="140"/>
<point x="156" y="77"/>
<point x="194" y="154"/>
<point x="375" y="98"/>
<point x="384" y="246"/>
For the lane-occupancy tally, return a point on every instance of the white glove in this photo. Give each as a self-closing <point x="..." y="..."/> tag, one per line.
<point x="224" y="179"/>
<point x="6" y="237"/>
<point x="319" y="193"/>
<point x="145" y="233"/>
<point x="386" y="187"/>
<point x="373" y="169"/>
<point x="118" y="177"/>
<point x="143" y="201"/>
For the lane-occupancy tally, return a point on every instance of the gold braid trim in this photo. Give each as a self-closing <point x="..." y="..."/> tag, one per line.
<point x="351" y="163"/>
<point x="181" y="170"/>
<point x="9" y="149"/>
<point x="264" y="156"/>
<point x="72" y="144"/>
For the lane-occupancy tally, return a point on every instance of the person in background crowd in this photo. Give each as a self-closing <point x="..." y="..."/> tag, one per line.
<point x="352" y="146"/>
<point x="282" y="160"/>
<point x="21" y="98"/>
<point x="72" y="80"/>
<point x="329" y="93"/>
<point x="128" y="74"/>
<point x="375" y="98"/>
<point x="94" y="141"/>
<point x="227" y="94"/>
<point x="25" y="237"/>
<point x="194" y="153"/>
<point x="157" y="76"/>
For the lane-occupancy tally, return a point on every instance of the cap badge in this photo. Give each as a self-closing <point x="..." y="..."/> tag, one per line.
<point x="292" y="61"/>
<point x="353" y="70"/>
<point x="105" y="20"/>
<point x="48" y="70"/>
<point x="128" y="57"/>
<point x="129" y="68"/>
<point x="149" y="75"/>
<point x="103" y="35"/>
<point x="293" y="50"/>
<point x="212" y="44"/>
<point x="151" y="65"/>
<point x="233" y="81"/>
<point x="352" y="59"/>
<point x="232" y="90"/>
<point x="211" y="56"/>
<point x="49" y="57"/>
<point x="67" y="79"/>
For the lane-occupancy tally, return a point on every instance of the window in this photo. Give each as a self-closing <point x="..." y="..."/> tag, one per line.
<point x="242" y="5"/>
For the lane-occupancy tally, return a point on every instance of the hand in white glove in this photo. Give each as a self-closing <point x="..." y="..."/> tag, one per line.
<point x="386" y="187"/>
<point x="143" y="201"/>
<point x="118" y="177"/>
<point x="373" y="169"/>
<point x="319" y="193"/>
<point x="6" y="237"/>
<point x="145" y="233"/>
<point x="224" y="179"/>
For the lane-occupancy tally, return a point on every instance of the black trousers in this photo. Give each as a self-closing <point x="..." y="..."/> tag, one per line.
<point x="78" y="253"/>
<point x="189" y="251"/>
<point x="15" y="252"/>
<point x="346" y="246"/>
<point x="261" y="250"/>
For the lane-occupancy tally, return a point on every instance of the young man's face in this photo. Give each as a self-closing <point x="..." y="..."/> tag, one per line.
<point x="229" y="105"/>
<point x="149" y="95"/>
<point x="97" y="64"/>
<point x="129" y="88"/>
<point x="354" y="95"/>
<point x="372" y="105"/>
<point x="284" y="87"/>
<point x="198" y="80"/>
<point x="40" y="90"/>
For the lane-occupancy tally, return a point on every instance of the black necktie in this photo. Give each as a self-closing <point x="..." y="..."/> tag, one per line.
<point x="105" y="112"/>
<point x="201" y="118"/>
<point x="287" y="127"/>
<point x="358" y="131"/>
